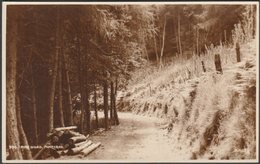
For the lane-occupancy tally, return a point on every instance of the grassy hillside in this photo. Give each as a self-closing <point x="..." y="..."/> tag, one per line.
<point x="212" y="115"/>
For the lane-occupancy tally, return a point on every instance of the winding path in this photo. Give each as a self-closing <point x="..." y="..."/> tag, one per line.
<point x="137" y="138"/>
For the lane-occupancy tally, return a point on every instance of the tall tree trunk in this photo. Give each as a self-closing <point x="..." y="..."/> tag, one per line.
<point x="145" y="51"/>
<point x="34" y="109"/>
<point x="111" y="103"/>
<point x="95" y="105"/>
<point x="12" y="133"/>
<point x="156" y="49"/>
<point x="163" y="39"/>
<point x="68" y="90"/>
<point x="81" y="74"/>
<point x="144" y="46"/>
<point x="225" y="36"/>
<point x="60" y="106"/>
<point x="114" y="98"/>
<point x="82" y="91"/>
<point x="52" y="92"/>
<point x="54" y="76"/>
<point x="26" y="152"/>
<point x="179" y="33"/>
<point x="88" y="114"/>
<point x="60" y="92"/>
<point x="197" y="41"/>
<point x="106" y="104"/>
<point x="82" y="103"/>
<point x="177" y="37"/>
<point x="87" y="109"/>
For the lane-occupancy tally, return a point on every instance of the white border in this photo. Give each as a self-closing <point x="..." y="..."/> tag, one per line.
<point x="4" y="4"/>
<point x="138" y="3"/>
<point x="3" y="81"/>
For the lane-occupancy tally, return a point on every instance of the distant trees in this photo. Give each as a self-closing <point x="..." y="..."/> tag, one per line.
<point x="189" y="28"/>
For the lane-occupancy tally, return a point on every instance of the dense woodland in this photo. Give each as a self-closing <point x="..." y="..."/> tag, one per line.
<point x="61" y="59"/>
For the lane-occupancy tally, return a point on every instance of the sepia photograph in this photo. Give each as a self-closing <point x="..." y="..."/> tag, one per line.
<point x="130" y="82"/>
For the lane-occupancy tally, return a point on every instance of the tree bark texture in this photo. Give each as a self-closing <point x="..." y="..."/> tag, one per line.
<point x="156" y="49"/>
<point x="163" y="39"/>
<point x="68" y="90"/>
<point x="197" y="41"/>
<point x="81" y="74"/>
<point x="179" y="33"/>
<point x="11" y="117"/>
<point x="82" y="92"/>
<point x="87" y="109"/>
<point x="111" y="103"/>
<point x="106" y="104"/>
<point x="34" y="109"/>
<point x="54" y="76"/>
<point x="26" y="152"/>
<point x="114" y="98"/>
<point x="95" y="105"/>
<point x="60" y="93"/>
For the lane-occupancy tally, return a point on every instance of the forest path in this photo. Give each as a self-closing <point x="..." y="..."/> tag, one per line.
<point x="136" y="138"/>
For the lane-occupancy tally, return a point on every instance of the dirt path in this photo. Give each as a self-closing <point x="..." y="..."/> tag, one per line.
<point x="136" y="138"/>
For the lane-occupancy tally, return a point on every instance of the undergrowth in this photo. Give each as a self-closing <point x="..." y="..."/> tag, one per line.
<point x="213" y="116"/>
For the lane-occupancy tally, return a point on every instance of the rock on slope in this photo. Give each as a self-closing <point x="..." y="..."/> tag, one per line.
<point x="213" y="116"/>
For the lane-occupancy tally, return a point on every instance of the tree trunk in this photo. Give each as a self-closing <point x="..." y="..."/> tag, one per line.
<point x="156" y="50"/>
<point x="144" y="46"/>
<point x="52" y="92"/>
<point x="60" y="92"/>
<point x="12" y="133"/>
<point x="77" y="139"/>
<point x="60" y="104"/>
<point x="161" y="56"/>
<point x="54" y="76"/>
<point x="81" y="74"/>
<point x="106" y="104"/>
<point x="225" y="36"/>
<point x="81" y="84"/>
<point x="111" y="103"/>
<point x="197" y="41"/>
<point x="179" y="33"/>
<point x="88" y="128"/>
<point x="82" y="99"/>
<point x="77" y="150"/>
<point x="89" y="149"/>
<point x="95" y="105"/>
<point x="79" y="144"/>
<point x="177" y="37"/>
<point x="116" y="116"/>
<point x="114" y="98"/>
<point x="66" y="128"/>
<point x="64" y="60"/>
<point x="145" y="51"/>
<point x="34" y="109"/>
<point x="68" y="90"/>
<point x="23" y="139"/>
